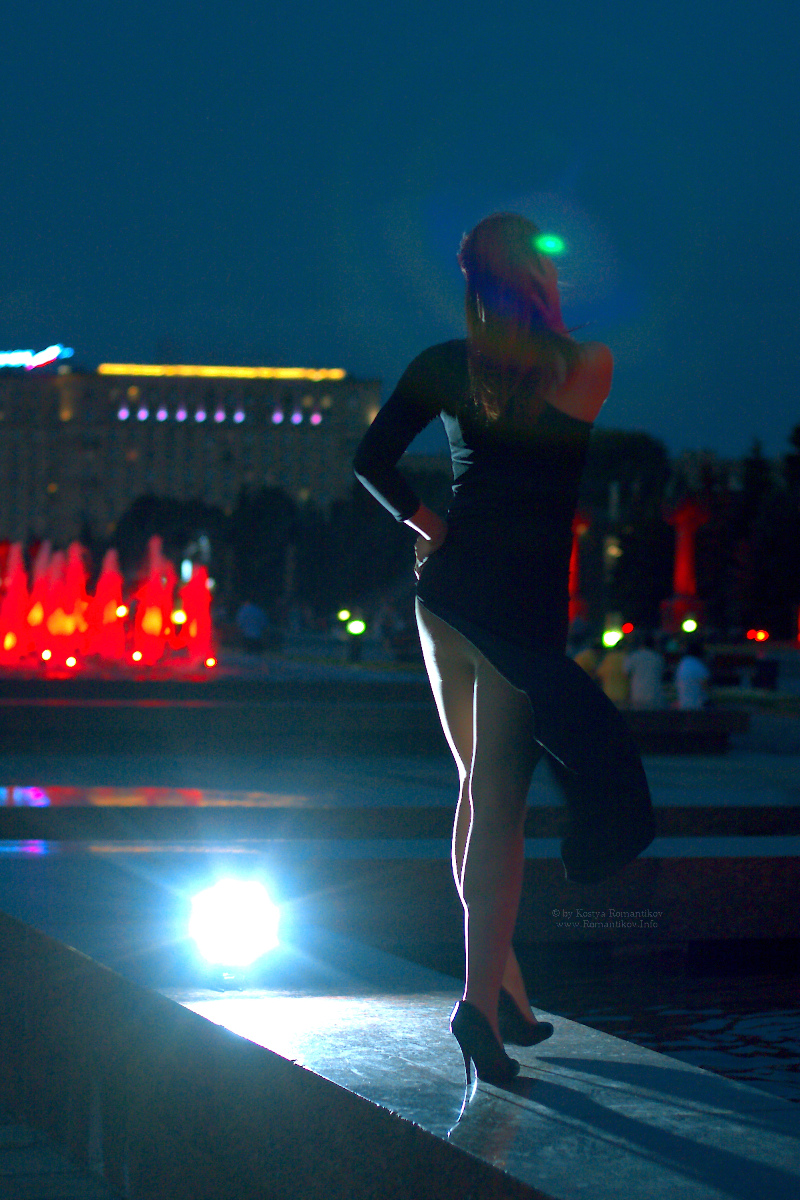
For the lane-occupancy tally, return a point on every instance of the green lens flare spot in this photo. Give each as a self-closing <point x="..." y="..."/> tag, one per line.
<point x="549" y="243"/>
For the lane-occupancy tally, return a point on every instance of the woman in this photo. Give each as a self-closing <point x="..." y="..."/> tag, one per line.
<point x="517" y="399"/>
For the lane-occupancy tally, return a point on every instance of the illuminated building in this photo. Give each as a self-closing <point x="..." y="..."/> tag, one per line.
<point x="78" y="448"/>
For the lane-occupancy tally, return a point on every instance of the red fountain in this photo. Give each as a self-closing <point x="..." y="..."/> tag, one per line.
<point x="105" y="616"/>
<point x="196" y="611"/>
<point x="58" y="625"/>
<point x="15" y="640"/>
<point x="577" y="604"/>
<point x="687" y="518"/>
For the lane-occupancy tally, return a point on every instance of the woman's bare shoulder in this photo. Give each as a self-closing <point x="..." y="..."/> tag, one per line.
<point x="586" y="387"/>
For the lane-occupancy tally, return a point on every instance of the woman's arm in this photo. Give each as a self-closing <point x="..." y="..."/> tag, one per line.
<point x="412" y="405"/>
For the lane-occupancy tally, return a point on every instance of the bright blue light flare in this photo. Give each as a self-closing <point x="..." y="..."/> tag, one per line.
<point x="28" y="359"/>
<point x="234" y="922"/>
<point x="550" y="243"/>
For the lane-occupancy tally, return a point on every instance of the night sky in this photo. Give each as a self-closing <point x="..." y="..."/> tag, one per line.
<point x="287" y="183"/>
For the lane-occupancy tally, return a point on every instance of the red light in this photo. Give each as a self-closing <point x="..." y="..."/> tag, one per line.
<point x="211" y="662"/>
<point x="751" y="633"/>
<point x="627" y="627"/>
<point x="761" y="635"/>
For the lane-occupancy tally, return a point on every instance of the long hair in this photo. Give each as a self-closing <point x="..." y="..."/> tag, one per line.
<point x="518" y="346"/>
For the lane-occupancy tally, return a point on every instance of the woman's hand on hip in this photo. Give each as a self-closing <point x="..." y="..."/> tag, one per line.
<point x="424" y="547"/>
<point x="432" y="531"/>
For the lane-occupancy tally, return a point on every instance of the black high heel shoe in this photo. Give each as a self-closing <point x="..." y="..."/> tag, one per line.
<point x="477" y="1042"/>
<point x="515" y="1028"/>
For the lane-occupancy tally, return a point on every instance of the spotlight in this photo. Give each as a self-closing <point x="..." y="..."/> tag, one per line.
<point x="234" y="922"/>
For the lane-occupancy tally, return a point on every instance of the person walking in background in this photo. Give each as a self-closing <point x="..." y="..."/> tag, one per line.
<point x="612" y="676"/>
<point x="692" y="676"/>
<point x="645" y="670"/>
<point x="517" y="400"/>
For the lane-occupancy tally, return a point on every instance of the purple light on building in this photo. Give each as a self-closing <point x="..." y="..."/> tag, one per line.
<point x="316" y="418"/>
<point x="200" y="415"/>
<point x="161" y="415"/>
<point x="297" y="418"/>
<point x="142" y="414"/>
<point x="219" y="415"/>
<point x="277" y="417"/>
<point x="124" y="413"/>
<point x="180" y="415"/>
<point x="238" y="416"/>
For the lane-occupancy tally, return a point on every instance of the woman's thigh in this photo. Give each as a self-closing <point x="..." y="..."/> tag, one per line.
<point x="487" y="722"/>
<point x="505" y="749"/>
<point x="451" y="663"/>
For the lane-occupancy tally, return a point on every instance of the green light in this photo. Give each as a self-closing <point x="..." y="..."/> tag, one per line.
<point x="689" y="625"/>
<point x="343" y="614"/>
<point x="611" y="637"/>
<point x="550" y="243"/>
<point x="356" y="626"/>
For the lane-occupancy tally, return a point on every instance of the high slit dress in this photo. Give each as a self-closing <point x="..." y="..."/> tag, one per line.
<point x="501" y="578"/>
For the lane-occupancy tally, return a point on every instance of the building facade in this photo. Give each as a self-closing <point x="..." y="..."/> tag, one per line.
<point x="77" y="448"/>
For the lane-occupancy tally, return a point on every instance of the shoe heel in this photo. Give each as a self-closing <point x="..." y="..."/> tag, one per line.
<point x="478" y="1043"/>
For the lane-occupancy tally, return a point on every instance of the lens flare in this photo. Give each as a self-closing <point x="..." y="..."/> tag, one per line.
<point x="234" y="922"/>
<point x="550" y="243"/>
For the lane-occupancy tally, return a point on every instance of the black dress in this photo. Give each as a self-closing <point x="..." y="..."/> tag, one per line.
<point x="501" y="578"/>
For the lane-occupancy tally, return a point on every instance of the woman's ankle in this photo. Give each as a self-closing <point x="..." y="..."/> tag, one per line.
<point x="483" y="1004"/>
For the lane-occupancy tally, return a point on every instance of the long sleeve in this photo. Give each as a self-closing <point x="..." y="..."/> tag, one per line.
<point x="412" y="405"/>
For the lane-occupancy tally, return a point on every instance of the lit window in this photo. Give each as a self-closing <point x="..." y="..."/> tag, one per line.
<point x="133" y="393"/>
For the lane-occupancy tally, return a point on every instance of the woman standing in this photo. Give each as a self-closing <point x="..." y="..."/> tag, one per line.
<point x="517" y="398"/>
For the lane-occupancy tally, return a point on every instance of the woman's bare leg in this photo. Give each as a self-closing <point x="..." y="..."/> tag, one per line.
<point x="453" y="665"/>
<point x="503" y="759"/>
